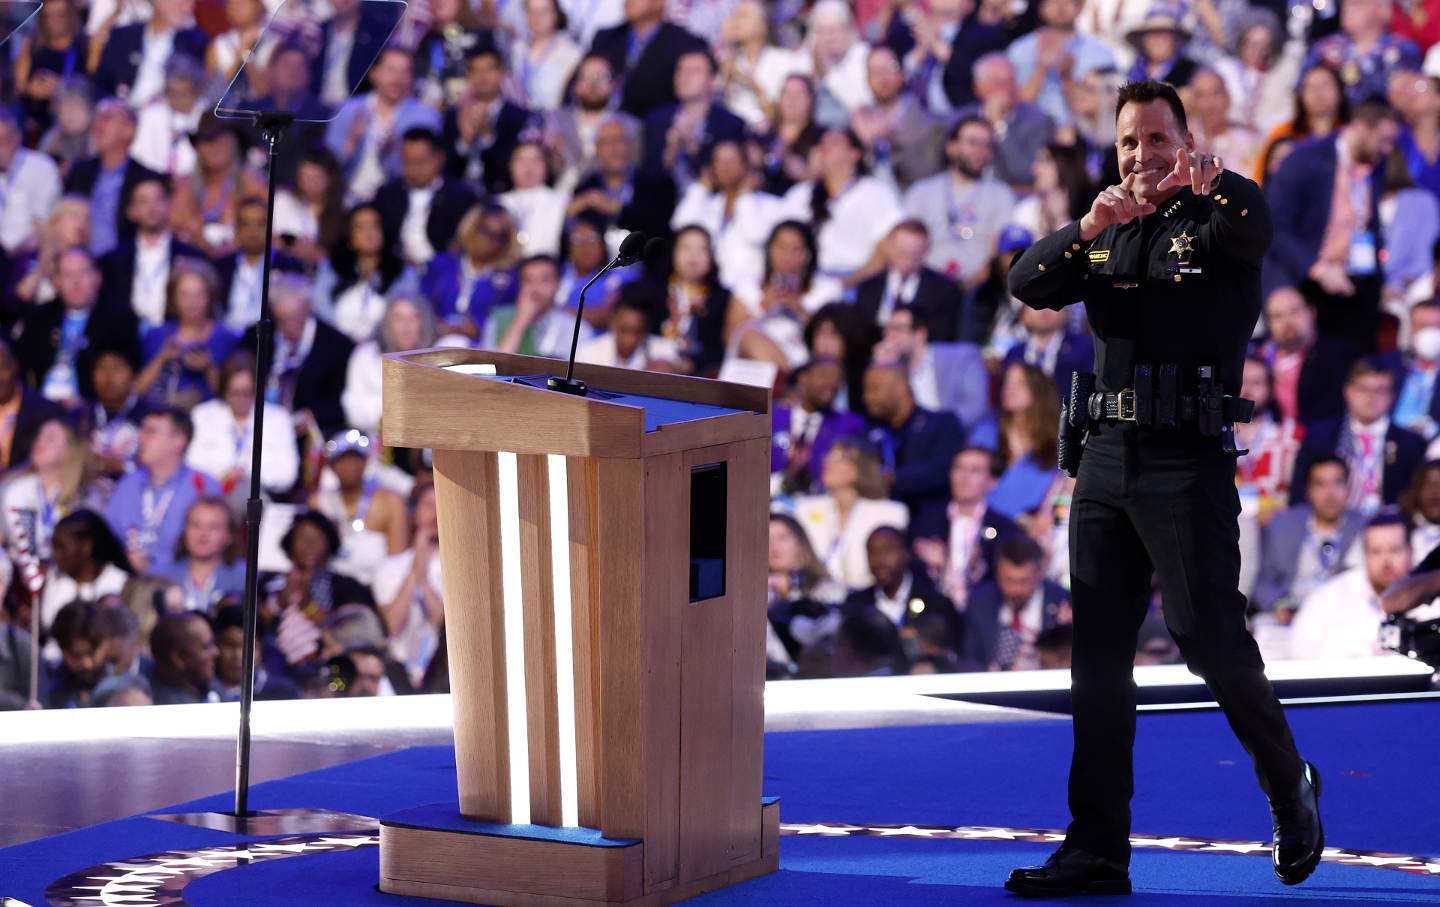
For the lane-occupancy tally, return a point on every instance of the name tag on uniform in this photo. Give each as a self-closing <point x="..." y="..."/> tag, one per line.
<point x="1190" y="270"/>
<point x="1099" y="256"/>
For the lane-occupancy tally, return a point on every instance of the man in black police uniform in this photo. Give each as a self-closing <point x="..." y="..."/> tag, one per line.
<point x="1168" y="266"/>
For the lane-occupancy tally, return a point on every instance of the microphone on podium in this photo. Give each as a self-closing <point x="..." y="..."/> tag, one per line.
<point x="633" y="248"/>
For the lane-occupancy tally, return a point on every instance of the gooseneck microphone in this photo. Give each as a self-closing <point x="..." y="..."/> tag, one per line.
<point x="633" y="248"/>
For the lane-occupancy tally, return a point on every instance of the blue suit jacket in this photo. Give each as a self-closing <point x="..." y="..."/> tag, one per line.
<point x="1077" y="354"/>
<point x="962" y="380"/>
<point x="920" y="453"/>
<point x="441" y="285"/>
<point x="720" y="125"/>
<point x="833" y="427"/>
<point x="1300" y="197"/>
<point x="982" y="620"/>
<point x="1404" y="452"/>
<point x="120" y="61"/>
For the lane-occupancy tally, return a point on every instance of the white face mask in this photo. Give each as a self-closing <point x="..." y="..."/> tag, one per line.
<point x="1426" y="343"/>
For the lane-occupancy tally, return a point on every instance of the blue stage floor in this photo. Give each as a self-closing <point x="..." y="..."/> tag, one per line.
<point x="922" y="815"/>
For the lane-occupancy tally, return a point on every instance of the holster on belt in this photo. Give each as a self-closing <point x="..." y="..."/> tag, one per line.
<point x="1075" y="421"/>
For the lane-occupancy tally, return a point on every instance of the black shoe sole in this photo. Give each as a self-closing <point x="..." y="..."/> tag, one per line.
<point x="1117" y="887"/>
<point x="1306" y="869"/>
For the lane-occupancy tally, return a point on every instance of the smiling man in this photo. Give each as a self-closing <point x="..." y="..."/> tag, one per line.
<point x="1167" y="264"/>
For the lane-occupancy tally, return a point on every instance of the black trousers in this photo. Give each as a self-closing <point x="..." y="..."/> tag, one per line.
<point x="1151" y="502"/>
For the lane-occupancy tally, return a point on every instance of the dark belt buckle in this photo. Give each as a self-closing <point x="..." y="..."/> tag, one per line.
<point x="1125" y="405"/>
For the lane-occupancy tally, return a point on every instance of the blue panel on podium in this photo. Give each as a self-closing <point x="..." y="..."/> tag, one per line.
<point x="446" y="817"/>
<point x="658" y="410"/>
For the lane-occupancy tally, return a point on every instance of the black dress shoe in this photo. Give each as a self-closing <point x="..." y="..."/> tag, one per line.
<point x="1299" y="836"/>
<point x="1070" y="871"/>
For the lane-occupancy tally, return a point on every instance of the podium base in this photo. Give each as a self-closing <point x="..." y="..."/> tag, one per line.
<point x="434" y="852"/>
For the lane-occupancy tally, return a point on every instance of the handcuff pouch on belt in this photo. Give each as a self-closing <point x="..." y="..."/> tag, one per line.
<point x="1075" y="421"/>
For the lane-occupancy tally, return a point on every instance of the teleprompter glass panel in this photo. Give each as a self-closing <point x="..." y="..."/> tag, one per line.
<point x="707" y="531"/>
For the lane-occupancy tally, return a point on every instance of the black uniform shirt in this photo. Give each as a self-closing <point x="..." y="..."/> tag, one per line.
<point x="1181" y="285"/>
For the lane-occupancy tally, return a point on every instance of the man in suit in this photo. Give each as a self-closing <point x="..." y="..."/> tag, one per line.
<point x="1005" y="615"/>
<point x="935" y="299"/>
<point x="365" y="134"/>
<point x="22" y="411"/>
<point x="948" y="377"/>
<point x="902" y="593"/>
<point x="803" y="427"/>
<point x="917" y="445"/>
<point x="1381" y="455"/>
<point x="958" y="544"/>
<point x="1306" y="544"/>
<point x="1022" y="129"/>
<point x="1309" y="369"/>
<point x="678" y="136"/>
<point x="1323" y="245"/>
<point x="347" y="48"/>
<point x="621" y="193"/>
<point x="421" y="210"/>
<point x="482" y="130"/>
<point x="291" y="88"/>
<point x="940" y="58"/>
<point x="1052" y="346"/>
<point x="107" y="179"/>
<point x="901" y="138"/>
<point x="240" y="272"/>
<point x="59" y="340"/>
<point x="135" y="273"/>
<point x="310" y="357"/>
<point x="643" y="52"/>
<point x="132" y="65"/>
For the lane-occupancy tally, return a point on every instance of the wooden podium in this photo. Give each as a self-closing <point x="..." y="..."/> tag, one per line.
<point x="608" y="714"/>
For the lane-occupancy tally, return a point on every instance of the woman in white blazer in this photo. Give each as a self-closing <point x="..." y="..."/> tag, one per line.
<point x="839" y="522"/>
<point x="225" y="431"/>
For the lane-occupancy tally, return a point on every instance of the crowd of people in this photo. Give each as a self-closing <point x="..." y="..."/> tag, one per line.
<point x="841" y="188"/>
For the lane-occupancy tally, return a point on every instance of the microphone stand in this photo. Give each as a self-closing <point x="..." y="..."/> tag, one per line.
<point x="570" y="384"/>
<point x="272" y="124"/>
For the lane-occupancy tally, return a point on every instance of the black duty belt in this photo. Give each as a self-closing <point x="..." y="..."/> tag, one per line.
<point x="1122" y="407"/>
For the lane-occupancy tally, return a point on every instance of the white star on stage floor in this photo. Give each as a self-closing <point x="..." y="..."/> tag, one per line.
<point x="907" y="831"/>
<point x="821" y="829"/>
<point x="1239" y="847"/>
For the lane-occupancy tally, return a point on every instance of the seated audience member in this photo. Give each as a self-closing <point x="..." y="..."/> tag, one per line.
<point x="112" y="420"/>
<point x="805" y="423"/>
<point x="309" y="359"/>
<point x="935" y="299"/>
<point x="679" y="135"/>
<point x="148" y="507"/>
<point x="360" y="671"/>
<point x="183" y="646"/>
<point x="725" y="201"/>
<point x="126" y="657"/>
<point x="688" y="306"/>
<point x="408" y="324"/>
<point x="295" y="605"/>
<point x="538" y="207"/>
<point x="24" y="213"/>
<point x="225" y="435"/>
<point x="206" y="571"/>
<point x="790" y="136"/>
<point x="629" y="343"/>
<point x="570" y="132"/>
<point x="206" y="198"/>
<point x="868" y="644"/>
<point x="33" y="271"/>
<point x="1341" y="618"/>
<point x="903" y="594"/>
<point x="364" y="133"/>
<point x="87" y="562"/>
<point x="1005" y="616"/>
<point x="537" y="324"/>
<point x="362" y="270"/>
<point x="585" y="256"/>
<point x="853" y="505"/>
<point x="1027" y="433"/>
<point x="132" y="64"/>
<point x="55" y="483"/>
<point x="850" y="211"/>
<point x="917" y="445"/>
<point x="182" y="356"/>
<point x="777" y="309"/>
<point x="1055" y="646"/>
<point x="22" y="411"/>
<point x="229" y="624"/>
<point x="81" y="632"/>
<point x="1264" y="475"/>
<point x="121" y="692"/>
<point x="958" y="545"/>
<point x="1381" y="455"/>
<point x="551" y="57"/>
<point x="477" y="276"/>
<point x="58" y="341"/>
<point x="802" y="596"/>
<point x="901" y="137"/>
<point x="1421" y="506"/>
<point x="16" y="658"/>
<point x="947" y="377"/>
<point x="627" y="197"/>
<point x="1309" y="369"/>
<point x="372" y="520"/>
<point x="409" y="593"/>
<point x="1052" y="346"/>
<point x="134" y="273"/>
<point x="482" y="129"/>
<point x="420" y="211"/>
<point x="1309" y="543"/>
<point x="1417" y="405"/>
<point x="106" y="179"/>
<point x="240" y="272"/>
<point x="1022" y="131"/>
<point x="310" y="210"/>
<point x="964" y="208"/>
